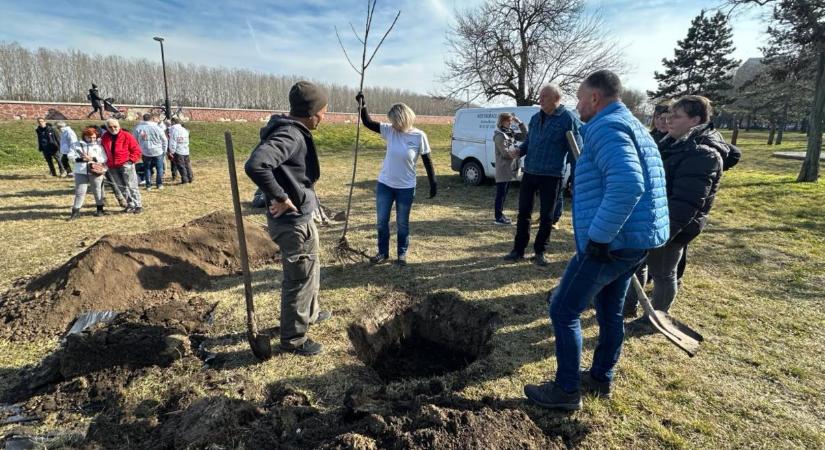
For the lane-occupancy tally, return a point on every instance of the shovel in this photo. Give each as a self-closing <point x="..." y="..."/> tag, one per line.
<point x="261" y="347"/>
<point x="680" y="334"/>
<point x="676" y="332"/>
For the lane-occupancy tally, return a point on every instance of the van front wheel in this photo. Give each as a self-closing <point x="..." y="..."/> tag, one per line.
<point x="472" y="173"/>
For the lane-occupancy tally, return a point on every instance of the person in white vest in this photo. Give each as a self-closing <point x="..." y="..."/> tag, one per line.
<point x="67" y="139"/>
<point x="153" y="143"/>
<point x="179" y="147"/>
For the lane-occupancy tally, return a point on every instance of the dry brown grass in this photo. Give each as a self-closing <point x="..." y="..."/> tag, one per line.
<point x="754" y="287"/>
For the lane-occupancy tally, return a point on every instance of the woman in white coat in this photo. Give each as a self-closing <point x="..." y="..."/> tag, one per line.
<point x="84" y="154"/>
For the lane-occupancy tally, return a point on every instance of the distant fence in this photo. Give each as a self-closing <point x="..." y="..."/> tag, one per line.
<point x="16" y="110"/>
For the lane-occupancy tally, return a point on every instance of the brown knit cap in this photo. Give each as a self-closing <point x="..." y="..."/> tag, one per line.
<point x="306" y="99"/>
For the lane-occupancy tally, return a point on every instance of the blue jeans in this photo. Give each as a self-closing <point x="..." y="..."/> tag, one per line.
<point x="155" y="162"/>
<point x="586" y="279"/>
<point x="384" y="198"/>
<point x="501" y="196"/>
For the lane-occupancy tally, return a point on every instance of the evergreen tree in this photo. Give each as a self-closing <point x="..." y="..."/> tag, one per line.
<point x="701" y="64"/>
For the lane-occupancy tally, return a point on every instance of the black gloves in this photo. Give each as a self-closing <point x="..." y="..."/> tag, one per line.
<point x="599" y="252"/>
<point x="360" y="99"/>
<point x="433" y="189"/>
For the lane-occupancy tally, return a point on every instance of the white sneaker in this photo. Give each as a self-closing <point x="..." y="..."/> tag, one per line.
<point x="148" y="188"/>
<point x="160" y="188"/>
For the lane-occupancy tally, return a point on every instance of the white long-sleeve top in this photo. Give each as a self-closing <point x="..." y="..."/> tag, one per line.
<point x="178" y="140"/>
<point x="80" y="148"/>
<point x="151" y="138"/>
<point x="67" y="139"/>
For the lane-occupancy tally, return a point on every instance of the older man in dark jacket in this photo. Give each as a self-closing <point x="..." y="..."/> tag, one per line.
<point x="546" y="150"/>
<point x="693" y="153"/>
<point x="285" y="167"/>
<point x="48" y="145"/>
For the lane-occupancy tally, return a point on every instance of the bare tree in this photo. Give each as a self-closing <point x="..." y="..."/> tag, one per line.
<point x="797" y="30"/>
<point x="511" y="47"/>
<point x="65" y="76"/>
<point x="636" y="102"/>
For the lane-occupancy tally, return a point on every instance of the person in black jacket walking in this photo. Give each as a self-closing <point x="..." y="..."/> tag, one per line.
<point x="693" y="153"/>
<point x="97" y="102"/>
<point x="284" y="165"/>
<point x="48" y="144"/>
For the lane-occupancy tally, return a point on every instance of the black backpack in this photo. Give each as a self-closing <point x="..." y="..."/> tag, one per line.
<point x="733" y="157"/>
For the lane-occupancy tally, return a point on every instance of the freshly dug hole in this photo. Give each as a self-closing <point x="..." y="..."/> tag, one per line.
<point x="438" y="335"/>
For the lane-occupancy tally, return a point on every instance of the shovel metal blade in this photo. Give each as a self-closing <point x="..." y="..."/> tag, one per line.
<point x="676" y="332"/>
<point x="260" y="344"/>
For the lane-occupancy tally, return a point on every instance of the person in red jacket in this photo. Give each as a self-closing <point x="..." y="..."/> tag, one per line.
<point x="122" y="152"/>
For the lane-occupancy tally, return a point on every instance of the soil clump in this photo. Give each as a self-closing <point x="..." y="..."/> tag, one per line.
<point x="130" y="272"/>
<point x="287" y="420"/>
<point x="158" y="336"/>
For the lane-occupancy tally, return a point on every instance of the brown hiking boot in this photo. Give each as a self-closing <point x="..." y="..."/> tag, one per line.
<point x="593" y="386"/>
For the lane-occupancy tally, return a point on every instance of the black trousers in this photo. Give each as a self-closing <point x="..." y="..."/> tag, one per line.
<point x="52" y="158"/>
<point x="547" y="188"/>
<point x="184" y="168"/>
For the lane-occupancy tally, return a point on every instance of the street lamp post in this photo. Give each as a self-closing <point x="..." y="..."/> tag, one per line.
<point x="165" y="84"/>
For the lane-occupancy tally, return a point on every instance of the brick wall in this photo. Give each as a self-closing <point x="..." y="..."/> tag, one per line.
<point x="13" y="110"/>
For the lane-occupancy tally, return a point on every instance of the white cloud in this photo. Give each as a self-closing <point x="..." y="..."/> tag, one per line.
<point x="302" y="41"/>
<point x="254" y="39"/>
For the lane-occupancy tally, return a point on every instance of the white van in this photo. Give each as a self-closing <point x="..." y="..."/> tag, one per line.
<point x="473" y="151"/>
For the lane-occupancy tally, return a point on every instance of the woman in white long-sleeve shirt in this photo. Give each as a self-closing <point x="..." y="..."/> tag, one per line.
<point x="82" y="153"/>
<point x="397" y="179"/>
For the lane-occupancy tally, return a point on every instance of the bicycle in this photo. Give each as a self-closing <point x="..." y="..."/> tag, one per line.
<point x="160" y="110"/>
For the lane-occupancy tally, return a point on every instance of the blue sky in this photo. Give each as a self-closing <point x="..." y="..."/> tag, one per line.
<point x="298" y="37"/>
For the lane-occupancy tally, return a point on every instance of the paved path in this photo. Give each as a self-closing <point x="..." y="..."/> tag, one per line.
<point x="790" y="155"/>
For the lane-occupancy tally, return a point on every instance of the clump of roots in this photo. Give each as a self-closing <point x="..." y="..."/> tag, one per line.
<point x="345" y="253"/>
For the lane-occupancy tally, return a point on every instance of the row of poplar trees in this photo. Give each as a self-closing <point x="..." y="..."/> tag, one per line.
<point x="53" y="75"/>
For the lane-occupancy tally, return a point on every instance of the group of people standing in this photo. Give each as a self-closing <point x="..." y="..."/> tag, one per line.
<point x="546" y="155"/>
<point x="110" y="155"/>
<point x="639" y="197"/>
<point x="284" y="166"/>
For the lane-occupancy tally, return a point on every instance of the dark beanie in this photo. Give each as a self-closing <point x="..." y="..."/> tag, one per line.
<point x="306" y="99"/>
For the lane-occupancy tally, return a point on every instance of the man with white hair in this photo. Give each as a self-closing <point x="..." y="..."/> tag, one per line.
<point x="67" y="139"/>
<point x="546" y="151"/>
<point x="122" y="152"/>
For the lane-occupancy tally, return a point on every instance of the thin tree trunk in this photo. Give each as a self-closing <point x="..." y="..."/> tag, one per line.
<point x="735" y="135"/>
<point x="810" y="167"/>
<point x="772" y="133"/>
<point x="748" y="123"/>
<point x="783" y="121"/>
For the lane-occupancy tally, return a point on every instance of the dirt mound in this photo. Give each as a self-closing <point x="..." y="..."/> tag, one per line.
<point x="127" y="272"/>
<point x="156" y="337"/>
<point x="211" y="420"/>
<point x="287" y="420"/>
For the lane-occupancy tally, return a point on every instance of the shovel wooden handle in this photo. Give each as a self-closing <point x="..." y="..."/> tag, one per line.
<point x="236" y="203"/>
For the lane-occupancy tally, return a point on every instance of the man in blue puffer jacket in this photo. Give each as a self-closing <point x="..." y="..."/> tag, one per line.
<point x="619" y="213"/>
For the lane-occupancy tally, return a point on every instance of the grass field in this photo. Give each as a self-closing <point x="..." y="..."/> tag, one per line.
<point x="755" y="287"/>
